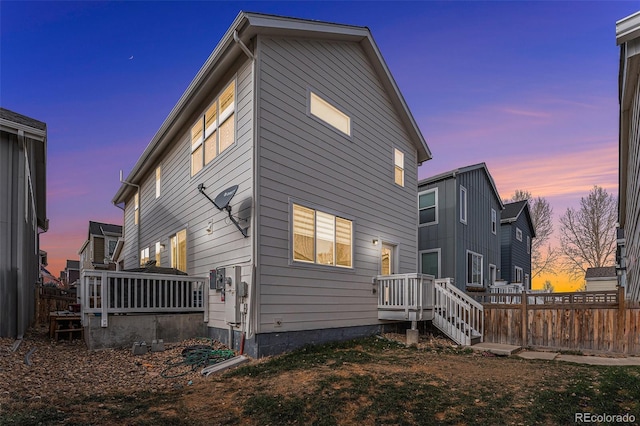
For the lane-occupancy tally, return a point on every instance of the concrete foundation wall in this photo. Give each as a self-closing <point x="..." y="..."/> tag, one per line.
<point x="124" y="330"/>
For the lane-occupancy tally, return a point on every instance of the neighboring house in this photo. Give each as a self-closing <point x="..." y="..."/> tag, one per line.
<point x="603" y="278"/>
<point x="303" y="122"/>
<point x="459" y="227"/>
<point x="98" y="249"/>
<point x="23" y="216"/>
<point x="628" y="37"/>
<point x="516" y="233"/>
<point x="72" y="271"/>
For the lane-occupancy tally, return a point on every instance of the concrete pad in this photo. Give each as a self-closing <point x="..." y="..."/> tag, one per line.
<point x="598" y="360"/>
<point x="496" y="348"/>
<point x="549" y="356"/>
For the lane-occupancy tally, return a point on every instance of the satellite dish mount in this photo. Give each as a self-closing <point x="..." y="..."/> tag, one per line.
<point x="222" y="203"/>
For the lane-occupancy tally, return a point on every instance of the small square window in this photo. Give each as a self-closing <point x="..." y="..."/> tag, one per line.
<point x="518" y="234"/>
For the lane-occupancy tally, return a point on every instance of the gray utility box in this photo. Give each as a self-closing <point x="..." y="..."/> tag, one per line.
<point x="234" y="291"/>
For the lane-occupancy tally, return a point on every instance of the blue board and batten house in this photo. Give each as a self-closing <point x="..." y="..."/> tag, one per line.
<point x="304" y="124"/>
<point x="516" y="233"/>
<point x="458" y="231"/>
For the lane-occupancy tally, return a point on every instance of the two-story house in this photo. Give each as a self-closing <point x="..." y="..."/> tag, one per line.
<point x="23" y="216"/>
<point x="459" y="227"/>
<point x="289" y="163"/>
<point x="516" y="232"/>
<point x="98" y="249"/>
<point x="628" y="258"/>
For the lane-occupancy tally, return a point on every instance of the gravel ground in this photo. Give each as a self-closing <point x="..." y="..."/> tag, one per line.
<point x="68" y="370"/>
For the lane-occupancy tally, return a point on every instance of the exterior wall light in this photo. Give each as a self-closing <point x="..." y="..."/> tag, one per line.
<point x="375" y="242"/>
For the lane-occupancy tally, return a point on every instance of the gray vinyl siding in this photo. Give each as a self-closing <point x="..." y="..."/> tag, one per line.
<point x="455" y="238"/>
<point x="19" y="247"/>
<point x="632" y="224"/>
<point x="181" y="206"/>
<point x="507" y="236"/>
<point x="303" y="160"/>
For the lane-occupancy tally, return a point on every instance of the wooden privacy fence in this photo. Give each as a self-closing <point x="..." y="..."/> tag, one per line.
<point x="52" y="299"/>
<point x="582" y="321"/>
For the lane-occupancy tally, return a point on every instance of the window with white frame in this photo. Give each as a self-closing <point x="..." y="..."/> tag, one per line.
<point x="158" y="254"/>
<point x="430" y="262"/>
<point x="144" y="256"/>
<point x="474" y="268"/>
<point x="494" y="221"/>
<point x="158" y="173"/>
<point x="518" y="234"/>
<point x="136" y="208"/>
<point x="528" y="244"/>
<point x="463" y="204"/>
<point x="178" y="243"/>
<point x="518" y="275"/>
<point x="399" y="167"/>
<point x="321" y="238"/>
<point x="428" y="207"/>
<point x="329" y="114"/>
<point x="215" y="129"/>
<point x="111" y="247"/>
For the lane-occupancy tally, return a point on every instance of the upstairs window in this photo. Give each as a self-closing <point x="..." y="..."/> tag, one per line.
<point x="321" y="238"/>
<point x="463" y="204"/>
<point x="214" y="131"/>
<point x="399" y="167"/>
<point x="494" y="221"/>
<point x="331" y="115"/>
<point x="158" y="172"/>
<point x="518" y="234"/>
<point x="144" y="256"/>
<point x="136" y="208"/>
<point x="428" y="207"/>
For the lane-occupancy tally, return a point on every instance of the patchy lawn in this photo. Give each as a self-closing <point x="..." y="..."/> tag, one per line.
<point x="367" y="382"/>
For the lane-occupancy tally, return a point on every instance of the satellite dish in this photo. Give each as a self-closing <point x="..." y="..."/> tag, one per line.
<point x="223" y="198"/>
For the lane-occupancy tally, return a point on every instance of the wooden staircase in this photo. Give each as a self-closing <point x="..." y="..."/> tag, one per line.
<point x="456" y="314"/>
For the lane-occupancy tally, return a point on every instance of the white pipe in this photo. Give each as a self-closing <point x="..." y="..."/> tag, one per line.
<point x="139" y="209"/>
<point x="243" y="46"/>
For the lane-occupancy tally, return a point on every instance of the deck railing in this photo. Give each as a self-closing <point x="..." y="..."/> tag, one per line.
<point x="404" y="296"/>
<point x="456" y="314"/>
<point x="111" y="292"/>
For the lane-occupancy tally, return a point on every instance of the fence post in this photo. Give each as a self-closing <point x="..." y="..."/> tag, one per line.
<point x="524" y="318"/>
<point x="620" y="344"/>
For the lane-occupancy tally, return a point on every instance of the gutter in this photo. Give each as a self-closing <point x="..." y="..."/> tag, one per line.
<point x="139" y="209"/>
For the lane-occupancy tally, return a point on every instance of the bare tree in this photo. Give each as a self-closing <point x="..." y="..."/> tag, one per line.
<point x="543" y="255"/>
<point x="548" y="287"/>
<point x="587" y="235"/>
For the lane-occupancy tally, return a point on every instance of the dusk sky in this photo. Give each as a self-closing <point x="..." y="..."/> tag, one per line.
<point x="530" y="88"/>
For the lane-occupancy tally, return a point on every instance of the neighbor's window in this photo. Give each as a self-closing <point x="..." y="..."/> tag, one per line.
<point x="428" y="207"/>
<point x="474" y="268"/>
<point x="136" y="208"/>
<point x="329" y="114"/>
<point x="215" y="129"/>
<point x="430" y="262"/>
<point x="494" y="221"/>
<point x="518" y="275"/>
<point x="179" y="250"/>
<point x="518" y="234"/>
<point x="158" y="248"/>
<point x="321" y="238"/>
<point x="158" y="181"/>
<point x="399" y="167"/>
<point x="463" y="204"/>
<point x="111" y="247"/>
<point x="144" y="256"/>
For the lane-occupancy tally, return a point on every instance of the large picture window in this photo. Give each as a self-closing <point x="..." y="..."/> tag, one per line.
<point x="321" y="238"/>
<point x="474" y="268"/>
<point x="428" y="207"/>
<point x="214" y="131"/>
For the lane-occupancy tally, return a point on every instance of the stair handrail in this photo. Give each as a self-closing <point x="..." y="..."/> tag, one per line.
<point x="468" y="305"/>
<point x="464" y="297"/>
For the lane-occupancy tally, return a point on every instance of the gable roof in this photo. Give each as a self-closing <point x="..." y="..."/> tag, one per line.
<point x="601" y="272"/>
<point x="512" y="212"/>
<point x="246" y="26"/>
<point x="451" y="174"/>
<point x="104" y="229"/>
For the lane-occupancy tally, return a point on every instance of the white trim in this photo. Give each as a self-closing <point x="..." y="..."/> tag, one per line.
<point x="435" y="222"/>
<point x="493" y="276"/>
<point x="515" y="274"/>
<point x="436" y="250"/>
<point x="463" y="213"/>
<point x="494" y="222"/>
<point x="518" y="234"/>
<point x="328" y="113"/>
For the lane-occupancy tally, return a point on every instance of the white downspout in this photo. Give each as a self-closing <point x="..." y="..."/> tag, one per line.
<point x="139" y="209"/>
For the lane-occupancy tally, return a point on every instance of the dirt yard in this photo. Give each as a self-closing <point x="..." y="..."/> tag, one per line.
<point x="374" y="381"/>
